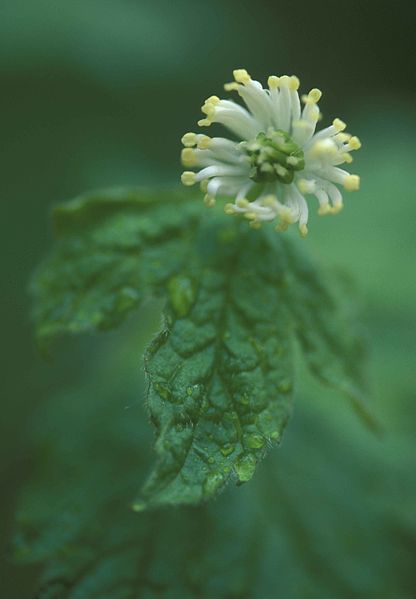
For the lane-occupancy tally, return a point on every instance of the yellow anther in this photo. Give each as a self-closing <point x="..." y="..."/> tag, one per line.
<point x="294" y="83"/>
<point x="242" y="203"/>
<point x="188" y="178"/>
<point x="285" y="80"/>
<point x="354" y="143"/>
<point x="315" y="95"/>
<point x="324" y="147"/>
<point x="273" y="82"/>
<point x="324" y="209"/>
<point x="286" y="215"/>
<point x="339" y="125"/>
<point x="208" y="109"/>
<point x="209" y="105"/>
<point x="204" y="122"/>
<point x="189" y="140"/>
<point x="281" y="227"/>
<point x="352" y="183"/>
<point x="250" y="215"/>
<point x="241" y="76"/>
<point x="203" y="186"/>
<point x="347" y="157"/>
<point x="229" y="209"/>
<point x="231" y="87"/>
<point x="303" y="230"/>
<point x="188" y="157"/>
<point x="343" y="137"/>
<point x="204" y="142"/>
<point x="304" y="186"/>
<point x="269" y="201"/>
<point x="209" y="201"/>
<point x="337" y="208"/>
<point x="255" y="224"/>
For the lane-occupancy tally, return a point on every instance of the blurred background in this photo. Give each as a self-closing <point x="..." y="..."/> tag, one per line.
<point x="97" y="93"/>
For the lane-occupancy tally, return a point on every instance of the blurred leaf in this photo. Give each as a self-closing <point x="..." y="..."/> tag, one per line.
<point x="111" y="247"/>
<point x="321" y="522"/>
<point x="220" y="371"/>
<point x="328" y="333"/>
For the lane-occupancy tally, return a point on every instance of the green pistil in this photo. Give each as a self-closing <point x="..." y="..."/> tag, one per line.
<point x="274" y="157"/>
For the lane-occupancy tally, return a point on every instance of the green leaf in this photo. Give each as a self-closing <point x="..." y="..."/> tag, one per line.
<point x="111" y="248"/>
<point x="326" y="326"/>
<point x="320" y="522"/>
<point x="221" y="370"/>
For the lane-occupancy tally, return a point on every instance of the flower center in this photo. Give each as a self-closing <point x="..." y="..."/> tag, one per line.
<point x="274" y="157"/>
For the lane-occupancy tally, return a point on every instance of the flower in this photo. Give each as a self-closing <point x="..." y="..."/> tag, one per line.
<point x="276" y="157"/>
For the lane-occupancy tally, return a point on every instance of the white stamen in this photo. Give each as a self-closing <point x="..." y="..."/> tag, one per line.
<point x="264" y="182"/>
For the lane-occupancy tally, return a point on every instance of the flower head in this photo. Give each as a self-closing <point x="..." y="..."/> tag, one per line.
<point x="275" y="157"/>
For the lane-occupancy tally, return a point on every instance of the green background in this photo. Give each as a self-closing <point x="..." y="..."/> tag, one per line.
<point x="98" y="93"/>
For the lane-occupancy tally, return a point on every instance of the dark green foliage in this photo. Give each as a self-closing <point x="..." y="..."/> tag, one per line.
<point x="219" y="390"/>
<point x="112" y="249"/>
<point x="220" y="371"/>
<point x="320" y="521"/>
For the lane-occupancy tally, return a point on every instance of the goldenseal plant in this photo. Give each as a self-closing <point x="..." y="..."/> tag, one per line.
<point x="240" y="308"/>
<point x="277" y="159"/>
<point x="221" y="372"/>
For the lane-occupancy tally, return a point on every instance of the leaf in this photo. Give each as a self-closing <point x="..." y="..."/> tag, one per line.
<point x="332" y="343"/>
<point x="321" y="522"/>
<point x="221" y="370"/>
<point x="112" y="247"/>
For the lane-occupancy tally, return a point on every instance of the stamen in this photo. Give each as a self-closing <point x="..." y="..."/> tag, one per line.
<point x="188" y="157"/>
<point x="314" y="95"/>
<point x="189" y="140"/>
<point x="204" y="142"/>
<point x="306" y="186"/>
<point x="352" y="182"/>
<point x="229" y="209"/>
<point x="324" y="209"/>
<point x="188" y="178"/>
<point x="294" y="83"/>
<point x="339" y="125"/>
<point x="242" y="203"/>
<point x="353" y="144"/>
<point x="255" y="224"/>
<point x="323" y="148"/>
<point x="241" y="76"/>
<point x="209" y="201"/>
<point x="273" y="82"/>
<point x="277" y="153"/>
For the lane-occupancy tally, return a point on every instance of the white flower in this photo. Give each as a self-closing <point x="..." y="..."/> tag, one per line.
<point x="276" y="158"/>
